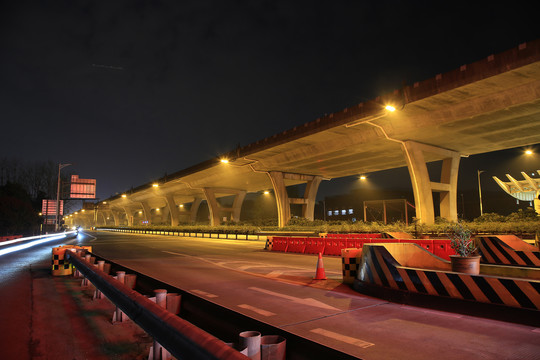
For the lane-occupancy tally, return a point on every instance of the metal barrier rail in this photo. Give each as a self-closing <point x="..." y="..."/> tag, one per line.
<point x="221" y="322"/>
<point x="181" y="338"/>
<point x="203" y="234"/>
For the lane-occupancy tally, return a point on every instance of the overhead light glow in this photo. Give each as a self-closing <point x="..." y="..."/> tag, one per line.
<point x="390" y="108"/>
<point x="224" y="161"/>
<point x="362" y="177"/>
<point x="124" y="196"/>
<point x="155" y="185"/>
<point x="266" y="192"/>
<point x="528" y="152"/>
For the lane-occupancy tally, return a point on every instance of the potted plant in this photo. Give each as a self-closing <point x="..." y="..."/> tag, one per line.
<point x="466" y="259"/>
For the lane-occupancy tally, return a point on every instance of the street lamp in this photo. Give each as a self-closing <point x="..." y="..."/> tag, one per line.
<point x="480" y="191"/>
<point x="60" y="167"/>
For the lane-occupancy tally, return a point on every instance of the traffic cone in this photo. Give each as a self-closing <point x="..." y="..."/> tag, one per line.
<point x="320" y="275"/>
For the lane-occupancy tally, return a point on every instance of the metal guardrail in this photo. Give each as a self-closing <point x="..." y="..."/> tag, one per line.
<point x="204" y="315"/>
<point x="236" y="235"/>
<point x="181" y="338"/>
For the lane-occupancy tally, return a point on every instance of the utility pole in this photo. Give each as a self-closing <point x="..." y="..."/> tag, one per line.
<point x="57" y="223"/>
<point x="480" y="191"/>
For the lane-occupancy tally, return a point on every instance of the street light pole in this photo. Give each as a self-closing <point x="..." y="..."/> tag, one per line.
<point x="480" y="191"/>
<point x="60" y="167"/>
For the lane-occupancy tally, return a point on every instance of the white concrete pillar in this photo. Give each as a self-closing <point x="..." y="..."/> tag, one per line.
<point x="310" y="194"/>
<point x="129" y="215"/>
<point x="116" y="218"/>
<point x="284" y="202"/>
<point x="146" y="212"/>
<point x="215" y="208"/>
<point x="423" y="187"/>
<point x="194" y="209"/>
<point x="173" y="209"/>
<point x="282" y="198"/>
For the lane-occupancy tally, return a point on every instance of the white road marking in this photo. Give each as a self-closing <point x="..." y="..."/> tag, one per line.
<point x="173" y="253"/>
<point x="204" y="293"/>
<point x="305" y="301"/>
<point x="257" y="310"/>
<point x="343" y="338"/>
<point x="274" y="273"/>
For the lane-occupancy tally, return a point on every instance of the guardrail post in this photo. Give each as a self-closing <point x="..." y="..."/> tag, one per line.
<point x="117" y="316"/>
<point x="157" y="351"/>
<point x="251" y="340"/>
<point x="98" y="294"/>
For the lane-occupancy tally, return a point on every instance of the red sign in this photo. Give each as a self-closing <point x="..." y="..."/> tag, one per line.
<point x="48" y="207"/>
<point x="82" y="188"/>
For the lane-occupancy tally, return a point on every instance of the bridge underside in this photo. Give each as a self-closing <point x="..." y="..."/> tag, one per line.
<point x="490" y="105"/>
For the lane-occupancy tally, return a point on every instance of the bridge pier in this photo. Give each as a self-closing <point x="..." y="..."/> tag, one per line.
<point x="284" y="201"/>
<point x="146" y="212"/>
<point x="423" y="187"/>
<point x="215" y="208"/>
<point x="173" y="209"/>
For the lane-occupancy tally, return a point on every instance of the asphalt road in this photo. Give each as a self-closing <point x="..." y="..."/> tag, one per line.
<point x="278" y="288"/>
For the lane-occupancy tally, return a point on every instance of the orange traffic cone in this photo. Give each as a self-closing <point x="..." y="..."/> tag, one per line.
<point x="320" y="275"/>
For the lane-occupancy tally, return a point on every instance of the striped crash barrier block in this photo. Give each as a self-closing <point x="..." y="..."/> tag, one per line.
<point x="507" y="250"/>
<point x="380" y="268"/>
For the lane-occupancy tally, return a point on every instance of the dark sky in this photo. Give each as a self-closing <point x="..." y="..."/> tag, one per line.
<point x="131" y="90"/>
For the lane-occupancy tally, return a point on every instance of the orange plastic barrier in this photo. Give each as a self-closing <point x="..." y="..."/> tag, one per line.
<point x="334" y="246"/>
<point x="315" y="245"/>
<point x="442" y="249"/>
<point x="296" y="245"/>
<point x="280" y="243"/>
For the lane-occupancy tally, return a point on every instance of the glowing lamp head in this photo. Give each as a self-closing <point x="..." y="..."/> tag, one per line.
<point x="266" y="192"/>
<point x="362" y="177"/>
<point x="224" y="161"/>
<point x="155" y="185"/>
<point x="390" y="108"/>
<point x="528" y="152"/>
<point x="124" y="196"/>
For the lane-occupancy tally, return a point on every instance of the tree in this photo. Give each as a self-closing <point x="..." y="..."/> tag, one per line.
<point x="17" y="216"/>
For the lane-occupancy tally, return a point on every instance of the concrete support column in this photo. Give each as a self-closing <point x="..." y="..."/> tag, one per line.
<point x="129" y="215"/>
<point x="173" y="209"/>
<point x="146" y="212"/>
<point x="310" y="194"/>
<point x="423" y="187"/>
<point x="284" y="202"/>
<point x="216" y="209"/>
<point x="194" y="209"/>
<point x="237" y="206"/>
<point x="116" y="217"/>
<point x="282" y="198"/>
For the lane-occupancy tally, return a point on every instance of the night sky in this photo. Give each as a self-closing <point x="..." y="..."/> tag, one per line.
<point x="131" y="90"/>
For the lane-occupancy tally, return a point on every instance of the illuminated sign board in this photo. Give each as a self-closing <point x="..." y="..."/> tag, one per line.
<point x="82" y="188"/>
<point x="48" y="207"/>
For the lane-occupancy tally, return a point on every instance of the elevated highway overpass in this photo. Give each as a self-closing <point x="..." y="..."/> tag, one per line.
<point x="489" y="105"/>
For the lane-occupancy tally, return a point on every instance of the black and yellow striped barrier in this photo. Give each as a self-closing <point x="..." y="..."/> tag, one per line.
<point x="60" y="265"/>
<point x="507" y="250"/>
<point x="380" y="268"/>
<point x="350" y="260"/>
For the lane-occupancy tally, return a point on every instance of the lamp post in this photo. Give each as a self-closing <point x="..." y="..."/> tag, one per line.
<point x="480" y="191"/>
<point x="60" y="167"/>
